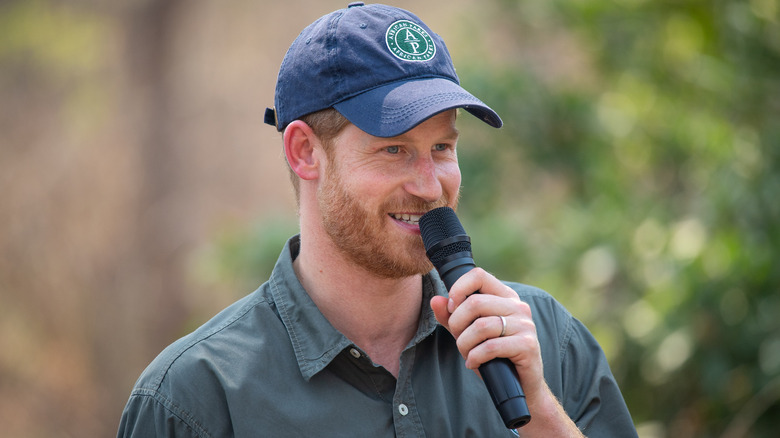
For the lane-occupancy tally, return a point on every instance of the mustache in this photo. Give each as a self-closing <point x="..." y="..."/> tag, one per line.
<point x="417" y="205"/>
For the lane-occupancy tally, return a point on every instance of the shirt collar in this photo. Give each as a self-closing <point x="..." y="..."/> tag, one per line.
<point x="315" y="341"/>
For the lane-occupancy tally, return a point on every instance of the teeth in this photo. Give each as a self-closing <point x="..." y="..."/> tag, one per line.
<point x="408" y="218"/>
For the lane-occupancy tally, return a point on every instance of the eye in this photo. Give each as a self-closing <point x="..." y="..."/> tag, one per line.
<point x="393" y="149"/>
<point x="441" y="147"/>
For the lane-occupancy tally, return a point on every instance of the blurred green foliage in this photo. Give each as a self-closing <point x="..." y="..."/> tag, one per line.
<point x="645" y="196"/>
<point x="241" y="259"/>
<point x="637" y="178"/>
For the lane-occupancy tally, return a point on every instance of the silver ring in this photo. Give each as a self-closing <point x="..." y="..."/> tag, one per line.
<point x="503" y="326"/>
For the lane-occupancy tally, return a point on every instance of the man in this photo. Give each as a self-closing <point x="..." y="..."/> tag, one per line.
<point x="352" y="335"/>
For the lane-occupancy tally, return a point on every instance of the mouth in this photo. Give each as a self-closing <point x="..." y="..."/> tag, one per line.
<point x="411" y="219"/>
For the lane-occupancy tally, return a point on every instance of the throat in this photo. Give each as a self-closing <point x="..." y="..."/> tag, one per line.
<point x="387" y="356"/>
<point x="379" y="314"/>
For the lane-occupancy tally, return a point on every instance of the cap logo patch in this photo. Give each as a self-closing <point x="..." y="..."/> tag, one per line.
<point x="409" y="41"/>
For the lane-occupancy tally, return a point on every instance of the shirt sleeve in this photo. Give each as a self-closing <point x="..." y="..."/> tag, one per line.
<point x="590" y="393"/>
<point x="149" y="414"/>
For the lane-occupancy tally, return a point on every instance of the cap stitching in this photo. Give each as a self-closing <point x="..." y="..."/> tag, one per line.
<point x="401" y="80"/>
<point x="406" y="111"/>
<point x="334" y="62"/>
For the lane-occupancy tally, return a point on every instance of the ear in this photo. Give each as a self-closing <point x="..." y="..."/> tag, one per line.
<point x="301" y="147"/>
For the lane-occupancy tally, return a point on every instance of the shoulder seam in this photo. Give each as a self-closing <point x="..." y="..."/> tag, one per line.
<point x="170" y="406"/>
<point x="165" y="368"/>
<point x="566" y="337"/>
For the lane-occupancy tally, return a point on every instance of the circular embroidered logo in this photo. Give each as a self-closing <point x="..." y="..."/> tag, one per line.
<point x="409" y="41"/>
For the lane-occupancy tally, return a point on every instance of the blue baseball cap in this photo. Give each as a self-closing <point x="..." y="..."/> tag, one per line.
<point x="379" y="66"/>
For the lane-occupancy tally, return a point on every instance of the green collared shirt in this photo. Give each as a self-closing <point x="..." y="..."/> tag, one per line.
<point x="272" y="365"/>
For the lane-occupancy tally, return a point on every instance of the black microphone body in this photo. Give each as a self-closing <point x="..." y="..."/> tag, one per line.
<point x="449" y="249"/>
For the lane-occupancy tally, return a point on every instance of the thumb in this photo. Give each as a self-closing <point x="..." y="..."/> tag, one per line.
<point x="439" y="307"/>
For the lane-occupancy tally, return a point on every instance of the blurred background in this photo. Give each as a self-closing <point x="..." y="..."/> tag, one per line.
<point x="637" y="179"/>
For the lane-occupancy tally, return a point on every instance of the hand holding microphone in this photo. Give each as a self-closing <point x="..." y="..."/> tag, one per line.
<point x="449" y="249"/>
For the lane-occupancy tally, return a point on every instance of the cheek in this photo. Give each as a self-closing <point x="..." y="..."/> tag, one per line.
<point x="451" y="178"/>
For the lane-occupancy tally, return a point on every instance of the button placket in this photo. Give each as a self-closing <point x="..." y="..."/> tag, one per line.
<point x="406" y="417"/>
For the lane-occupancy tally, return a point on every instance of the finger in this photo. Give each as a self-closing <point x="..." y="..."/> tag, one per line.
<point x="521" y="348"/>
<point x="481" y="305"/>
<point x="477" y="280"/>
<point x="439" y="307"/>
<point x="479" y="331"/>
<point x="483" y="330"/>
<point x="520" y="343"/>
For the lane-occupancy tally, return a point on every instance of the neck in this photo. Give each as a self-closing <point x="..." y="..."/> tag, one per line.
<point x="379" y="315"/>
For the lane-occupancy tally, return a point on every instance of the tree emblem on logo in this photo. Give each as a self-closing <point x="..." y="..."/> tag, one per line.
<point x="409" y="41"/>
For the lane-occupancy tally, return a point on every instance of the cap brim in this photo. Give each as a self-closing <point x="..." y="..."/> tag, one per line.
<point x="395" y="108"/>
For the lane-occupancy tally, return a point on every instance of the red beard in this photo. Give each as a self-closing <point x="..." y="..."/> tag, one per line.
<point x="362" y="235"/>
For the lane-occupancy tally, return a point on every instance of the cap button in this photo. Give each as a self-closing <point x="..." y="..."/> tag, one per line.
<point x="353" y="4"/>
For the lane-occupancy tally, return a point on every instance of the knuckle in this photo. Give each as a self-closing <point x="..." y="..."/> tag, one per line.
<point x="482" y="324"/>
<point x="477" y="300"/>
<point x="491" y="348"/>
<point x="479" y="271"/>
<point x="520" y="307"/>
<point x="530" y="344"/>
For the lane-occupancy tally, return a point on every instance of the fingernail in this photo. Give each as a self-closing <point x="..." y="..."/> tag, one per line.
<point x="451" y="305"/>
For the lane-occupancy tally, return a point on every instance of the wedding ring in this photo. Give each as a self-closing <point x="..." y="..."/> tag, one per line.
<point x="503" y="326"/>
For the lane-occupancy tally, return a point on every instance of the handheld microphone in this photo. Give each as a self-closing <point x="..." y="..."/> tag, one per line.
<point x="449" y="249"/>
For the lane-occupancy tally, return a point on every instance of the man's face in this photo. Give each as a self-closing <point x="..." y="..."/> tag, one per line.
<point x="375" y="189"/>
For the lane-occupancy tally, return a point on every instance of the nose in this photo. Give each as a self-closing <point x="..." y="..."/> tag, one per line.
<point x="425" y="180"/>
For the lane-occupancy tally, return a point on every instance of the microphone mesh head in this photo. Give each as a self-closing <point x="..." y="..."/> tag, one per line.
<point x="437" y="225"/>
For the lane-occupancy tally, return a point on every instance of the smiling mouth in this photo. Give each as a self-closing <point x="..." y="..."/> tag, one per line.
<point x="413" y="219"/>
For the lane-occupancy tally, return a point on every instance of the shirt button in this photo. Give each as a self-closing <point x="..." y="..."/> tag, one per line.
<point x="355" y="353"/>
<point x="402" y="409"/>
